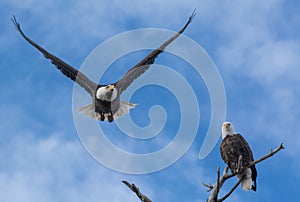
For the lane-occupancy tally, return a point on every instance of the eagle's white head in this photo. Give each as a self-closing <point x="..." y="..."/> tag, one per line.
<point x="227" y="129"/>
<point x="107" y="93"/>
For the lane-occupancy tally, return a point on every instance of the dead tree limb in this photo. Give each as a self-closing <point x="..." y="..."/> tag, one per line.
<point x="232" y="189"/>
<point x="214" y="189"/>
<point x="209" y="186"/>
<point x="136" y="190"/>
<point x="218" y="183"/>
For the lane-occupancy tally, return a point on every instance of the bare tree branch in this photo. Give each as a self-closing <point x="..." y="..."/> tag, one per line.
<point x="214" y="190"/>
<point x="218" y="183"/>
<point x="209" y="186"/>
<point x="136" y="190"/>
<point x="232" y="189"/>
<point x="267" y="156"/>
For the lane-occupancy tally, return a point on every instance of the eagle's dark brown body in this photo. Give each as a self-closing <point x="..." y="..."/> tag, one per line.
<point x="231" y="148"/>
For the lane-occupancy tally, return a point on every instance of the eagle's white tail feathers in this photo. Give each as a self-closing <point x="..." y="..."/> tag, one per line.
<point x="89" y="110"/>
<point x="124" y="109"/>
<point x="247" y="182"/>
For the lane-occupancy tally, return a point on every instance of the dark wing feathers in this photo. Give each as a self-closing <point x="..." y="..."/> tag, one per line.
<point x="65" y="68"/>
<point x="233" y="146"/>
<point x="85" y="82"/>
<point x="144" y="64"/>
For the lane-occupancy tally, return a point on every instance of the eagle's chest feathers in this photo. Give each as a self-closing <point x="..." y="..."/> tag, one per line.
<point x="102" y="106"/>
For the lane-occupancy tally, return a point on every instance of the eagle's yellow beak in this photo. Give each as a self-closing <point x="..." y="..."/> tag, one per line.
<point x="111" y="87"/>
<point x="227" y="125"/>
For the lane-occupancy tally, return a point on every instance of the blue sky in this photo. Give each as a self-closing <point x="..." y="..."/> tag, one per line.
<point x="254" y="44"/>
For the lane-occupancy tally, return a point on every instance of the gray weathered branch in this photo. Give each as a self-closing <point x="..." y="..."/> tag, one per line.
<point x="136" y="190"/>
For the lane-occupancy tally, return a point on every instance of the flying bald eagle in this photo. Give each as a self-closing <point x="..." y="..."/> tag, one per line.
<point x="106" y="102"/>
<point x="233" y="145"/>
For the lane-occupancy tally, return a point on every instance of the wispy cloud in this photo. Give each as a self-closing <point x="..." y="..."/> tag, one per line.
<point x="54" y="169"/>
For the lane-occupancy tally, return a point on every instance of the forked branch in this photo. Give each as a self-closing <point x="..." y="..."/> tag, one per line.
<point x="136" y="190"/>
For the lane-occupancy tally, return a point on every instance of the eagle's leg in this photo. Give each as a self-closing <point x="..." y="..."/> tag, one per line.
<point x="110" y="117"/>
<point x="239" y="165"/>
<point x="102" y="117"/>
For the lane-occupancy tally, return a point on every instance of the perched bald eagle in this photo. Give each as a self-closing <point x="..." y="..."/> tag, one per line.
<point x="233" y="145"/>
<point x="106" y="102"/>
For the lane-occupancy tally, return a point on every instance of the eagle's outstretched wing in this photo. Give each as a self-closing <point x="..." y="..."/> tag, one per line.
<point x="145" y="63"/>
<point x="65" y="68"/>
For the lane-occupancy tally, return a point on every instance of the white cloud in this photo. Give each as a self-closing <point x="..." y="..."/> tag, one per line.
<point x="275" y="62"/>
<point x="54" y="169"/>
